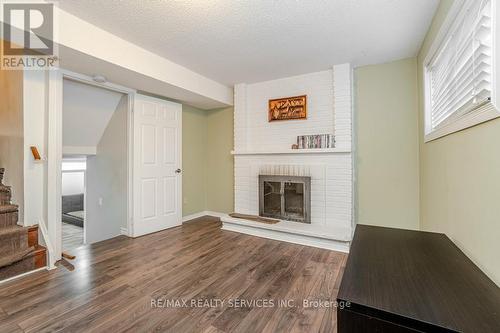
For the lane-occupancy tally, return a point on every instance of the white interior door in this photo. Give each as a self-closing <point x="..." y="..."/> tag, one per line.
<point x="157" y="173"/>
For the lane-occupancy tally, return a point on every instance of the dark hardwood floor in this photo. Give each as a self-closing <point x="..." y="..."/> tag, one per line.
<point x="117" y="283"/>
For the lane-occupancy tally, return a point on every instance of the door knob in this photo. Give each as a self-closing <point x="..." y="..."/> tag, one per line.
<point x="178" y="171"/>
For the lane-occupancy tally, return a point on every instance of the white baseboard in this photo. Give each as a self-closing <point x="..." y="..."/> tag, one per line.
<point x="201" y="214"/>
<point x="124" y="231"/>
<point x="215" y="214"/>
<point x="193" y="216"/>
<point x="24" y="274"/>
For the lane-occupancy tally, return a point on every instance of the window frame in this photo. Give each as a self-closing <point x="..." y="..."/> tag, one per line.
<point x="481" y="114"/>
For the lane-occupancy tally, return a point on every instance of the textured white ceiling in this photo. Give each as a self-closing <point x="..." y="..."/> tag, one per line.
<point x="87" y="111"/>
<point x="249" y="41"/>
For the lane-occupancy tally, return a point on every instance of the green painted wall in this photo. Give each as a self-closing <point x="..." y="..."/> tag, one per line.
<point x="386" y="127"/>
<point x="460" y="180"/>
<point x="207" y="141"/>
<point x="220" y="166"/>
<point x="194" y="160"/>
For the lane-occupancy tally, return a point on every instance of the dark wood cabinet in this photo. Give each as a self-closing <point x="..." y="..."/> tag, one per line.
<point x="412" y="281"/>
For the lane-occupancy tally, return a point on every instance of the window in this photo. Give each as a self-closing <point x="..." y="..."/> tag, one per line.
<point x="459" y="74"/>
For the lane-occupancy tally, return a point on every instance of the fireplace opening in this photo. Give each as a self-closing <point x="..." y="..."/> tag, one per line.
<point x="285" y="197"/>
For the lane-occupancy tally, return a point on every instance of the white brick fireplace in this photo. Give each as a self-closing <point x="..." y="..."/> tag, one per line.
<point x="264" y="148"/>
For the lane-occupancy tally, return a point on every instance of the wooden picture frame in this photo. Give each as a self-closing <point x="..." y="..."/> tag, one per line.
<point x="288" y="108"/>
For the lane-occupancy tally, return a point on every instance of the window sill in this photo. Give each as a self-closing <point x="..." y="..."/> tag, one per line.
<point x="481" y="115"/>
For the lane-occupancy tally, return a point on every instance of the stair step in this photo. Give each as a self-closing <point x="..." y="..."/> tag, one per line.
<point x="8" y="209"/>
<point x="33" y="235"/>
<point x="8" y="216"/>
<point x="15" y="257"/>
<point x="5" y="195"/>
<point x="34" y="260"/>
<point x="19" y="248"/>
<point x="12" y="229"/>
<point x="32" y="232"/>
<point x="13" y="239"/>
<point x="40" y="256"/>
<point x="5" y="191"/>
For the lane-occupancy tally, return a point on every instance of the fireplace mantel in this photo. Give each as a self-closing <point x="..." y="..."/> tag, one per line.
<point x="293" y="151"/>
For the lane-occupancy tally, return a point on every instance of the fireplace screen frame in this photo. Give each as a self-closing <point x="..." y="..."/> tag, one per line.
<point x="305" y="181"/>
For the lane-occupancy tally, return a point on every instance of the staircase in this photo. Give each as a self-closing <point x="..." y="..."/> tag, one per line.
<point x="19" y="248"/>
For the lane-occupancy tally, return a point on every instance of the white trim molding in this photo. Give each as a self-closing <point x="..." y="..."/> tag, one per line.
<point x="294" y="151"/>
<point x="201" y="214"/>
<point x="478" y="116"/>
<point x="193" y="216"/>
<point x="495" y="92"/>
<point x="54" y="163"/>
<point x="23" y="275"/>
<point x="51" y="254"/>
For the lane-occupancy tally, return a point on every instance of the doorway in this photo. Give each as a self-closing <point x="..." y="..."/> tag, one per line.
<point x="150" y="156"/>
<point x="94" y="170"/>
<point x="73" y="202"/>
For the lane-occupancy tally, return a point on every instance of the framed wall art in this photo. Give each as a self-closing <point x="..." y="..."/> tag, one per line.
<point x="288" y="108"/>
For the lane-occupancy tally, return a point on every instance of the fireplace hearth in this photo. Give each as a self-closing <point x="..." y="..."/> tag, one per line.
<point x="285" y="197"/>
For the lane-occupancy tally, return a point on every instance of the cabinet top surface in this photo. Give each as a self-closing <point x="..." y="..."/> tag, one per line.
<point x="419" y="275"/>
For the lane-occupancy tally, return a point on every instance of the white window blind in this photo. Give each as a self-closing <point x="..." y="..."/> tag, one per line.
<point x="460" y="74"/>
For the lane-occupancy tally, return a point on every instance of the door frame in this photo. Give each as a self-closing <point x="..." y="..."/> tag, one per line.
<point x="55" y="153"/>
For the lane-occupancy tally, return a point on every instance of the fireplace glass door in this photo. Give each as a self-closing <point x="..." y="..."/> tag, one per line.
<point x="285" y="198"/>
<point x="272" y="198"/>
<point x="293" y="197"/>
